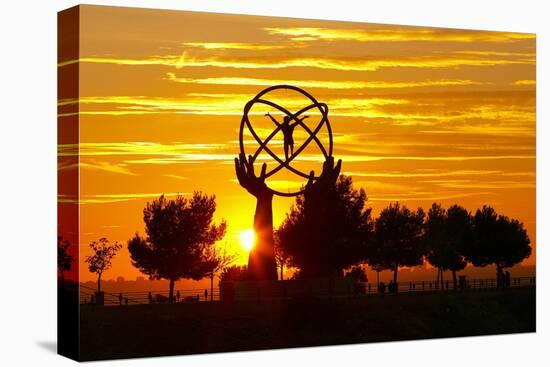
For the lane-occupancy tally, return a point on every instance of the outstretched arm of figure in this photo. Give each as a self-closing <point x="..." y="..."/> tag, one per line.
<point x="273" y="119"/>
<point x="301" y="120"/>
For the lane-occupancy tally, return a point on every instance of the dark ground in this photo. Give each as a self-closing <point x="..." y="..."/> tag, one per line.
<point x="157" y="330"/>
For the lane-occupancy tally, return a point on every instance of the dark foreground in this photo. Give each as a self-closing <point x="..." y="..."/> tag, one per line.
<point x="157" y="330"/>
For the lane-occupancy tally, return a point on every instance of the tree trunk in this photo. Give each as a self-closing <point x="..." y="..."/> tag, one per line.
<point x="395" y="274"/>
<point x="442" y="283"/>
<point x="211" y="287"/>
<point x="455" y="286"/>
<point x="437" y="278"/>
<point x="99" y="283"/>
<point x="171" y="292"/>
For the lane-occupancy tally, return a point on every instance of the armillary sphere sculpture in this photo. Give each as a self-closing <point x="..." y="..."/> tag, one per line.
<point x="261" y="261"/>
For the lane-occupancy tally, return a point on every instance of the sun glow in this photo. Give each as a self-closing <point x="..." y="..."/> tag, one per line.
<point x="247" y="239"/>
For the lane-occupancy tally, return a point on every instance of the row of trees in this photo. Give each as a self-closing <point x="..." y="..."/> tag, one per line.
<point x="323" y="238"/>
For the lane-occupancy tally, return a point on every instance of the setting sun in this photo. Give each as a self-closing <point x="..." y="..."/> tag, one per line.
<point x="247" y="239"/>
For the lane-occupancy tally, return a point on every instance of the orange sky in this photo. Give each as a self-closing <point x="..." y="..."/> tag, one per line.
<point x="418" y="114"/>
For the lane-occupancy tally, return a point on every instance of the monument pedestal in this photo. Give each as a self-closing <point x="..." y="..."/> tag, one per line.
<point x="317" y="288"/>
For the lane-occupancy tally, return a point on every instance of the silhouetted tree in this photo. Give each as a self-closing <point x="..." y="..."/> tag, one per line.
<point x="216" y="260"/>
<point x="445" y="237"/>
<point x="357" y="273"/>
<point x="281" y="257"/>
<point x="325" y="229"/>
<point x="234" y="273"/>
<point x="398" y="238"/>
<point x="374" y="256"/>
<point x="436" y="239"/>
<point x="499" y="240"/>
<point x="178" y="232"/>
<point x="461" y="234"/>
<point x="101" y="260"/>
<point x="64" y="260"/>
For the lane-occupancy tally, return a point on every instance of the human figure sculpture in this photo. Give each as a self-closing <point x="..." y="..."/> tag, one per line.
<point x="261" y="260"/>
<point x="288" y="130"/>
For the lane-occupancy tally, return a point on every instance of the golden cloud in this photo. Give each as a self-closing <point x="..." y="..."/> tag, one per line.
<point x="396" y="34"/>
<point x="525" y="82"/>
<point x="328" y="84"/>
<point x="112" y="198"/>
<point x="345" y="64"/>
<point x="240" y="46"/>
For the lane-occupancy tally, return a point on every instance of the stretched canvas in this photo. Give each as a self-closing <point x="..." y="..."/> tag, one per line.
<point x="234" y="182"/>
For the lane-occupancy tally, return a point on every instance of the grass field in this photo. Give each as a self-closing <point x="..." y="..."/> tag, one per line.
<point x="155" y="330"/>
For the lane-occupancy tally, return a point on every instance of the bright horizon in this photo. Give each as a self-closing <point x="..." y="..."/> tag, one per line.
<point x="419" y="115"/>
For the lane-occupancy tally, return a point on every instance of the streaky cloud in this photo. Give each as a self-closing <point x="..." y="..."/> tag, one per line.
<point x="345" y="64"/>
<point x="396" y="34"/>
<point x="326" y="84"/>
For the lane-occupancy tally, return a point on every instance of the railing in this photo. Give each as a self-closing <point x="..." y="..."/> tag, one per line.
<point x="88" y="294"/>
<point x="446" y="285"/>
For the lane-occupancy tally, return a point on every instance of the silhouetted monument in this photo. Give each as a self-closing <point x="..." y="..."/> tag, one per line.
<point x="261" y="260"/>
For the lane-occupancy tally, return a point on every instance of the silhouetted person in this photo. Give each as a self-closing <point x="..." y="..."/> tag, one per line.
<point x="178" y="296"/>
<point x="507" y="278"/>
<point x="126" y="301"/>
<point x="150" y="296"/>
<point x="288" y="130"/>
<point x="500" y="278"/>
<point x="382" y="287"/>
<point x="120" y="299"/>
<point x="205" y="295"/>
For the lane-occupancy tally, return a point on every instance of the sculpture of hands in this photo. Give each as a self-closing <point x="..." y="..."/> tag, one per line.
<point x="326" y="180"/>
<point x="247" y="178"/>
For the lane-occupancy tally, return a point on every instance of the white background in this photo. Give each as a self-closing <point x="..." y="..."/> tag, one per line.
<point x="28" y="182"/>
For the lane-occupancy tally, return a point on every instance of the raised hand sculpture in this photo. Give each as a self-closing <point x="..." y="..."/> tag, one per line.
<point x="315" y="188"/>
<point x="261" y="260"/>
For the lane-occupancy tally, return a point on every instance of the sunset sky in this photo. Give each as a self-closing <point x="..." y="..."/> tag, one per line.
<point x="418" y="114"/>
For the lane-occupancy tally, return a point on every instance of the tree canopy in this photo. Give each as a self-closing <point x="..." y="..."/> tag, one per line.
<point x="282" y="258"/>
<point x="498" y="240"/>
<point x="215" y="260"/>
<point x="64" y="260"/>
<point x="446" y="234"/>
<point x="397" y="238"/>
<point x="324" y="234"/>
<point x="234" y="273"/>
<point x="178" y="232"/>
<point x="101" y="260"/>
<point x="358" y="273"/>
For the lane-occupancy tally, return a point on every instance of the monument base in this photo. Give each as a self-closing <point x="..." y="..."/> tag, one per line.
<point x="286" y="289"/>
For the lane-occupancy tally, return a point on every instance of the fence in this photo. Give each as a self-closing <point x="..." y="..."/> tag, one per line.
<point x="87" y="294"/>
<point x="446" y="285"/>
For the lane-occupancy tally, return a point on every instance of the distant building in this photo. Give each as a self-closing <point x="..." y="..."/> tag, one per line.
<point x="120" y="279"/>
<point x="140" y="279"/>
